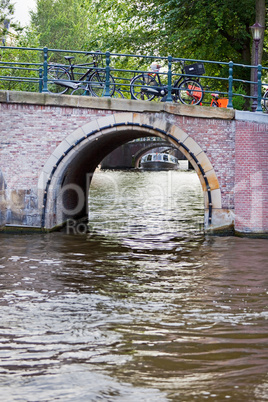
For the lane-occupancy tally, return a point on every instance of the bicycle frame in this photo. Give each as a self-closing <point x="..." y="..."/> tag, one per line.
<point x="156" y="76"/>
<point x="176" y="82"/>
<point x="89" y="72"/>
<point x="93" y="80"/>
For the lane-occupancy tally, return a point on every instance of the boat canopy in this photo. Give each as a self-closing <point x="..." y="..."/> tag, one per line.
<point x="159" y="157"/>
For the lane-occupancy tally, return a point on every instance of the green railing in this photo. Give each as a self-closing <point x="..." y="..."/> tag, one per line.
<point x="27" y="69"/>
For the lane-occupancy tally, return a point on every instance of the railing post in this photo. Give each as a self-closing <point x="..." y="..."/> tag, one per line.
<point x="230" y="89"/>
<point x="45" y="70"/>
<point x="40" y="79"/>
<point x="259" y="108"/>
<point x="169" y="97"/>
<point x="107" y="79"/>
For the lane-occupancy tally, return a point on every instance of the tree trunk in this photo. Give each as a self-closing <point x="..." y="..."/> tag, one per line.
<point x="260" y="18"/>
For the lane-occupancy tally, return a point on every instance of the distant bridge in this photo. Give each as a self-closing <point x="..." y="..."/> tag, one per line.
<point x="50" y="146"/>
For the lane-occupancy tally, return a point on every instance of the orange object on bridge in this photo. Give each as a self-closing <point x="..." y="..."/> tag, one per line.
<point x="223" y="102"/>
<point x="194" y="91"/>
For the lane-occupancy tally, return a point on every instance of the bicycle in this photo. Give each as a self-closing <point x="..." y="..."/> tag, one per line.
<point x="83" y="90"/>
<point x="265" y="99"/>
<point x="92" y="82"/>
<point x="118" y="93"/>
<point x="218" y="102"/>
<point x="148" y="86"/>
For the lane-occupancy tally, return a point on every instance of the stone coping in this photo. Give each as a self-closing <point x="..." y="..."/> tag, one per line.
<point x="258" y="117"/>
<point x="127" y="105"/>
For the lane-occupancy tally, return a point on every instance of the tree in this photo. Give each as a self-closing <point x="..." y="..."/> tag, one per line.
<point x="260" y="11"/>
<point x="195" y="29"/>
<point x="198" y="29"/>
<point x="7" y="25"/>
<point x="60" y="24"/>
<point x="214" y="30"/>
<point x="10" y="33"/>
<point x="83" y="24"/>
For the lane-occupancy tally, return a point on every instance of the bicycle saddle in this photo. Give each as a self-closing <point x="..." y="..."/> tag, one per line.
<point x="69" y="57"/>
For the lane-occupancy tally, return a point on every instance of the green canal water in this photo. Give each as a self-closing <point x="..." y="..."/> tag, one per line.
<point x="144" y="307"/>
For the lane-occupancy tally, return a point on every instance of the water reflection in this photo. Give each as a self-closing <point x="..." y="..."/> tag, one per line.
<point x="130" y="314"/>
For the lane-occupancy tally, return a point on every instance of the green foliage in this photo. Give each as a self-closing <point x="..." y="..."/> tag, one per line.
<point x="202" y="29"/>
<point x="8" y="28"/>
<point x="239" y="102"/>
<point x="194" y="29"/>
<point x="21" y="70"/>
<point x="61" y="24"/>
<point x="21" y="67"/>
<point x="197" y="29"/>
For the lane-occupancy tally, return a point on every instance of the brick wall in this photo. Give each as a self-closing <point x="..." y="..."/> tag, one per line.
<point x="30" y="133"/>
<point x="237" y="150"/>
<point x="217" y="139"/>
<point x="251" y="176"/>
<point x="33" y="132"/>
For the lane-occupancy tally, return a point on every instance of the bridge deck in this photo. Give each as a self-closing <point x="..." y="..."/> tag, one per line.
<point x="127" y="105"/>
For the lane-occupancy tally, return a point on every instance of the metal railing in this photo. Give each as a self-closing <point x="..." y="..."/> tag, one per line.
<point x="26" y="69"/>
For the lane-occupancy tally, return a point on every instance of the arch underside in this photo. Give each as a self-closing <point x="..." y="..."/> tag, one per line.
<point x="76" y="158"/>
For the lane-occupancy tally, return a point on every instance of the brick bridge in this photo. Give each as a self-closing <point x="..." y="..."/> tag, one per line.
<point x="50" y="145"/>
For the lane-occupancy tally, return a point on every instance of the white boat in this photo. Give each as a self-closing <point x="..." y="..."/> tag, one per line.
<point x="159" y="161"/>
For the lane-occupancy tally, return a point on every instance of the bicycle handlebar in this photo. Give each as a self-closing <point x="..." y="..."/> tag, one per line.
<point x="96" y="53"/>
<point x="96" y="56"/>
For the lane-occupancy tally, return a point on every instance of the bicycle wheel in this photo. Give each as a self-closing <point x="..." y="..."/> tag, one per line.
<point x="265" y="101"/>
<point x="138" y="82"/>
<point x="118" y="94"/>
<point x="190" y="92"/>
<point x="81" y="91"/>
<point x="97" y="84"/>
<point x="57" y="73"/>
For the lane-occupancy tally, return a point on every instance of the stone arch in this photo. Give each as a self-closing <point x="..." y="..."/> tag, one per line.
<point x="3" y="203"/>
<point x="65" y="178"/>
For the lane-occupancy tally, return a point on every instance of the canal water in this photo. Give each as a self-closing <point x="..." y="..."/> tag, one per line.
<point x="144" y="307"/>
